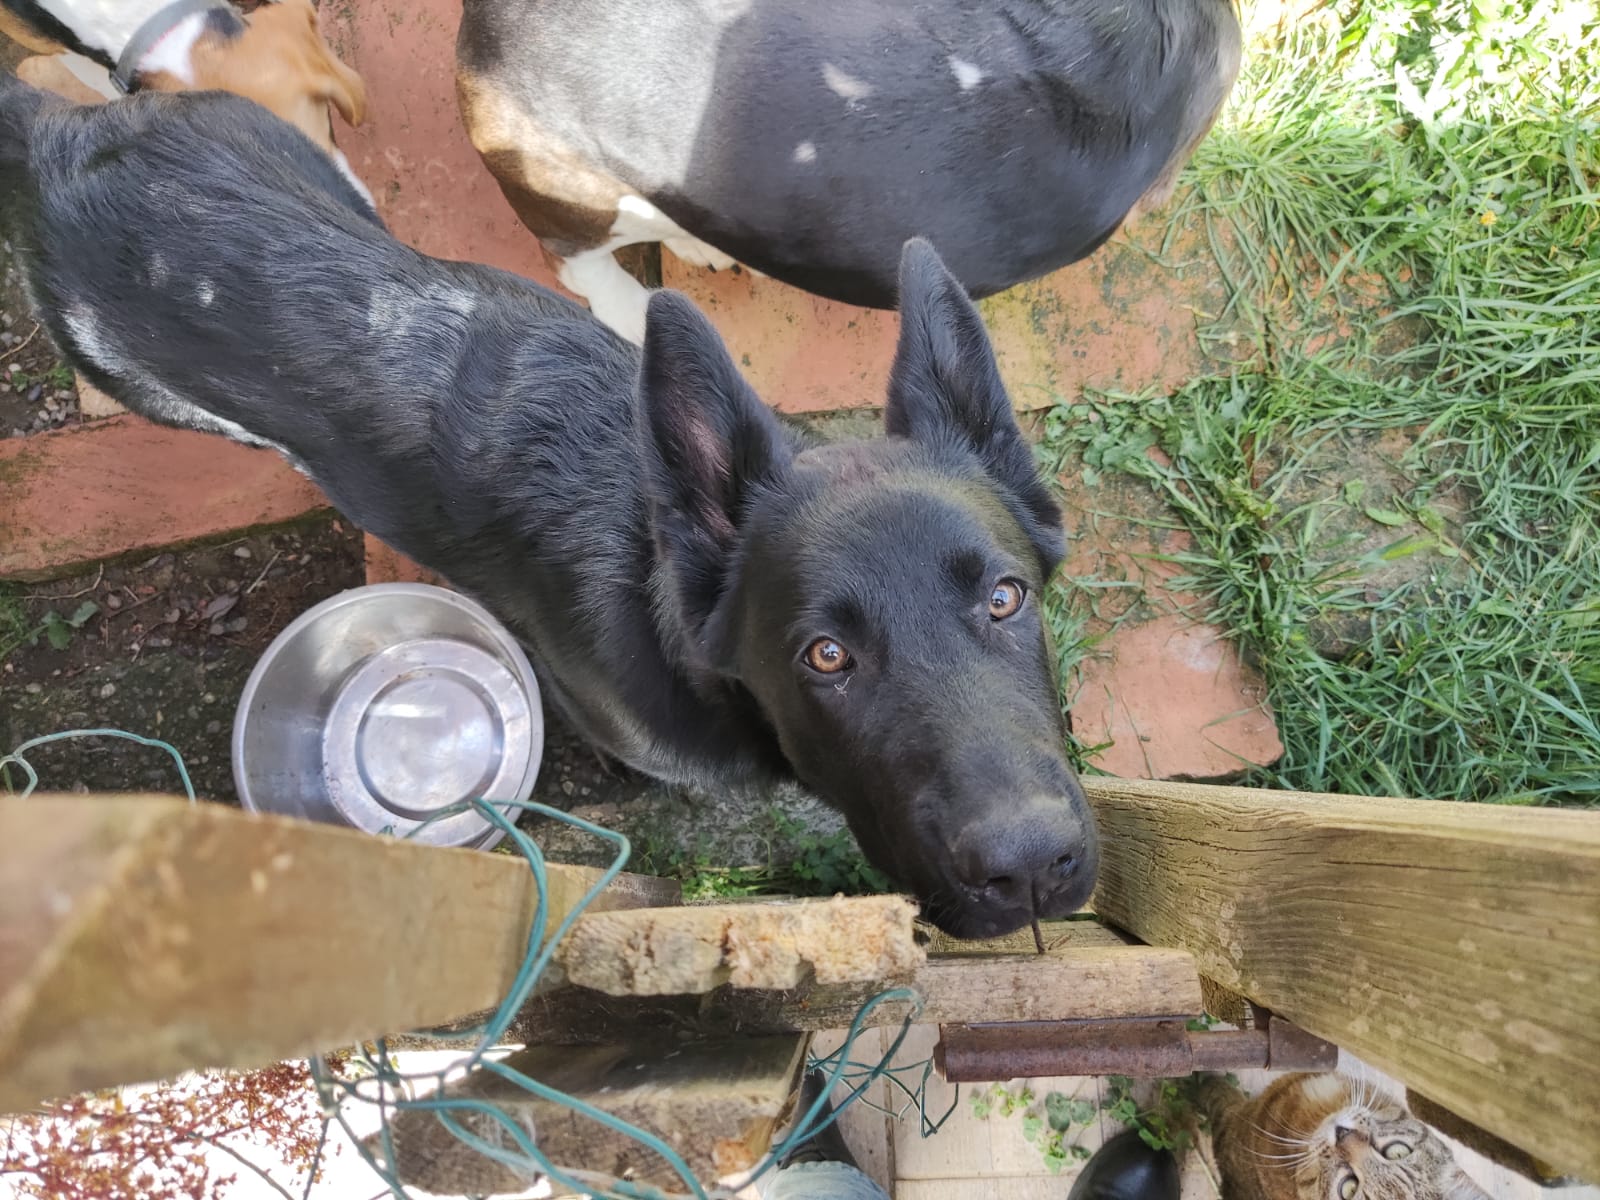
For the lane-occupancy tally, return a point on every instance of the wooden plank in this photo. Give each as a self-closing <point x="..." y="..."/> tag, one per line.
<point x="1066" y="985"/>
<point x="143" y="936"/>
<point x="717" y="1102"/>
<point x="72" y="496"/>
<point x="1225" y="1004"/>
<point x="1070" y="934"/>
<point x="1455" y="946"/>
<point x="1497" y="1150"/>
<point x="1143" y="1048"/>
<point x="1091" y="972"/>
<point x="779" y="944"/>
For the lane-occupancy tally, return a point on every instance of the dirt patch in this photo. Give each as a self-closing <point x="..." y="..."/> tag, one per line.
<point x="37" y="389"/>
<point x="161" y="648"/>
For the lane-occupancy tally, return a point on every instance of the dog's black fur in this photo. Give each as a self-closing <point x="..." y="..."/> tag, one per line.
<point x="665" y="547"/>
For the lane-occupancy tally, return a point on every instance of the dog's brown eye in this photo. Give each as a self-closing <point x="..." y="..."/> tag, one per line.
<point x="1006" y="598"/>
<point x="827" y="657"/>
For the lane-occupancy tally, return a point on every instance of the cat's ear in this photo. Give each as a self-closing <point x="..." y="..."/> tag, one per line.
<point x="1458" y="1185"/>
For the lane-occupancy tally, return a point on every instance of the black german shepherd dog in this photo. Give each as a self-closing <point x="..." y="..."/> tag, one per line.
<point x="704" y="593"/>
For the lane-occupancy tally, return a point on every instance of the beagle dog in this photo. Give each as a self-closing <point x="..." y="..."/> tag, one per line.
<point x="274" y="56"/>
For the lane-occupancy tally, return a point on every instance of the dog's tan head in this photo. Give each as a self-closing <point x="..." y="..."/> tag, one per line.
<point x="282" y="63"/>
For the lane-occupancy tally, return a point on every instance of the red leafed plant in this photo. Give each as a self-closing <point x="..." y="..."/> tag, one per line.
<point x="151" y="1143"/>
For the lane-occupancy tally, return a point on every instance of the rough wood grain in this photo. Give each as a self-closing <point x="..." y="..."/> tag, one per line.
<point x="141" y="936"/>
<point x="717" y="1102"/>
<point x="1455" y="946"/>
<point x="779" y="944"/>
<point x="1089" y="972"/>
<point x="1070" y="934"/>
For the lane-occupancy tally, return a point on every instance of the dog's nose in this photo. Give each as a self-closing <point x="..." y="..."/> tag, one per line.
<point x="1025" y="859"/>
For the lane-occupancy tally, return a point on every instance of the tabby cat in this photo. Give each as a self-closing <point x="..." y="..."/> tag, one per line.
<point x="1327" y="1137"/>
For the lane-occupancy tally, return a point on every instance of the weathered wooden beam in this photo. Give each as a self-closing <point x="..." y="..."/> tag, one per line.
<point x="1496" y="1149"/>
<point x="717" y="1102"/>
<point x="776" y="944"/>
<point x="1089" y="971"/>
<point x="1143" y="1048"/>
<point x="1455" y="946"/>
<point x="141" y="936"/>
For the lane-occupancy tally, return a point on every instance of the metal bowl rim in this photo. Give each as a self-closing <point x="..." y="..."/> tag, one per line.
<point x="356" y="595"/>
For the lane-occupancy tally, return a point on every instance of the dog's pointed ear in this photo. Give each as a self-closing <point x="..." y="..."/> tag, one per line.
<point x="945" y="387"/>
<point x="710" y="444"/>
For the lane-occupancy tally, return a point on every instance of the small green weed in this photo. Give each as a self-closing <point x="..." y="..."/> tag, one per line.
<point x="58" y="378"/>
<point x="16" y="630"/>
<point x="1046" y="1126"/>
<point x="824" y="866"/>
<point x="1166" y="1124"/>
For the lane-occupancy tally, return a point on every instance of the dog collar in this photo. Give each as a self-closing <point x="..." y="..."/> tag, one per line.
<point x="144" y="39"/>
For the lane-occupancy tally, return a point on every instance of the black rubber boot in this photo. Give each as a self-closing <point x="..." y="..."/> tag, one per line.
<point x="827" y="1146"/>
<point x="1127" y="1169"/>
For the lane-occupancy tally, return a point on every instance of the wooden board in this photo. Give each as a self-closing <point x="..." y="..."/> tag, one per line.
<point x="1089" y="972"/>
<point x="717" y="1102"/>
<point x="778" y="944"/>
<point x="1456" y="946"/>
<point x="141" y="936"/>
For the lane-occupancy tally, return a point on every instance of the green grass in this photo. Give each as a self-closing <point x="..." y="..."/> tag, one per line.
<point x="799" y="863"/>
<point x="1445" y="153"/>
<point x="15" y="627"/>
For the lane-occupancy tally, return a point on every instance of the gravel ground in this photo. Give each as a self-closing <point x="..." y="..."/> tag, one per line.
<point x="37" y="390"/>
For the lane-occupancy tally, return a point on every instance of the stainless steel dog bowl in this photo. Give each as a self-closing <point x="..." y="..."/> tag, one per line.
<point x="383" y="705"/>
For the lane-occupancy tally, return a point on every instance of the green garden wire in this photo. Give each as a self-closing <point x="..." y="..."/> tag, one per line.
<point x="17" y="756"/>
<point x="394" y="1087"/>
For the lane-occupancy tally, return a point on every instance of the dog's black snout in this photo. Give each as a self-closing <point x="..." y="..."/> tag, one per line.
<point x="1021" y="861"/>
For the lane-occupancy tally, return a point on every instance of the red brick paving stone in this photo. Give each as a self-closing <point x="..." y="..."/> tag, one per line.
<point x="1164" y="688"/>
<point x="73" y="496"/>
<point x="430" y="186"/>
<point x="1174" y="700"/>
<point x="1120" y="320"/>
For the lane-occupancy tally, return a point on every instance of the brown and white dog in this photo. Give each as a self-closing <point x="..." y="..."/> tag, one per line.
<point x="275" y="55"/>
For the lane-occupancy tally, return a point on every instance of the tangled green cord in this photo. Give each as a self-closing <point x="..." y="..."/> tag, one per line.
<point x="16" y="757"/>
<point x="527" y="1158"/>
